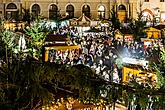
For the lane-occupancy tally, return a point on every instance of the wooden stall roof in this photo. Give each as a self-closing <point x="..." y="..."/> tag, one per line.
<point x="160" y="26"/>
<point x="124" y="31"/>
<point x="56" y="37"/>
<point x="151" y="29"/>
<point x="83" y="18"/>
<point x="153" y="32"/>
<point x="81" y="21"/>
<point x="94" y="30"/>
<point x="63" y="48"/>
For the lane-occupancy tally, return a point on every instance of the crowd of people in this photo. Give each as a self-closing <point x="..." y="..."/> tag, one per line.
<point x="100" y="52"/>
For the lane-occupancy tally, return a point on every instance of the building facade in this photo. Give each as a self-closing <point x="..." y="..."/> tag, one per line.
<point x="154" y="10"/>
<point x="94" y="9"/>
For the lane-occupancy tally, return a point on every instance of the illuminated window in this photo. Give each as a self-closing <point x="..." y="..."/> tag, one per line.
<point x="163" y="17"/>
<point x="147" y="16"/>
<point x="101" y="12"/>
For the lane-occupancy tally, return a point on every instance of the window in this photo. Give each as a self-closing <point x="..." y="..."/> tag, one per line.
<point x="101" y="12"/>
<point x="146" y="16"/>
<point x="86" y="10"/>
<point x="162" y="16"/>
<point x="121" y="7"/>
<point x="161" y="0"/>
<point x="36" y="10"/>
<point x="11" y="11"/>
<point x="11" y="6"/>
<point x="53" y="12"/>
<point x="70" y="11"/>
<point x="146" y="0"/>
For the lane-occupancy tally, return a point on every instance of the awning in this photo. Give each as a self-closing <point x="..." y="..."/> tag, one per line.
<point x="63" y="48"/>
<point x="81" y="21"/>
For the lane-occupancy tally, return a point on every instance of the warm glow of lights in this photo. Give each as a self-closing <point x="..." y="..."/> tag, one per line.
<point x="13" y="25"/>
<point x="71" y="100"/>
<point x="135" y="61"/>
<point x="101" y="8"/>
<point x="163" y="17"/>
<point x="147" y="16"/>
<point x="70" y="103"/>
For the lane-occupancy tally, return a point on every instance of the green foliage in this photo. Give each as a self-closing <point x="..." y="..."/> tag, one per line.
<point x="44" y="82"/>
<point x="2" y="45"/>
<point x="36" y="36"/>
<point x="160" y="79"/>
<point x="41" y="83"/>
<point x="160" y="68"/>
<point x="137" y="26"/>
<point x="163" y="57"/>
<point x="7" y="42"/>
<point x="119" y="63"/>
<point x="36" y="32"/>
<point x="8" y="38"/>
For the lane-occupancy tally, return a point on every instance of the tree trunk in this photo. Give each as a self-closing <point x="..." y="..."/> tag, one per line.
<point x="6" y="55"/>
<point x="114" y="105"/>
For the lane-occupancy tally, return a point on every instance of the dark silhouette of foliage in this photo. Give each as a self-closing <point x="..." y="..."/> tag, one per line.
<point x="26" y="16"/>
<point x="114" y="19"/>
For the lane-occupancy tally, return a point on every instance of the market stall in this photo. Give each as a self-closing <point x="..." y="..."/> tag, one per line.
<point x="120" y="36"/>
<point x="137" y="70"/>
<point x="153" y="33"/>
<point x="82" y="24"/>
<point x="60" y="45"/>
<point x="13" y="25"/>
